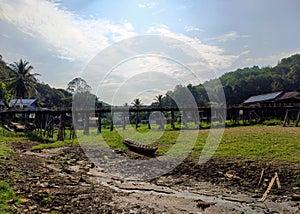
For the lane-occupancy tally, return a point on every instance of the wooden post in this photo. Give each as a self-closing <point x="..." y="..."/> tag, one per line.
<point x="172" y="120"/>
<point x="124" y="120"/>
<point x="298" y="118"/>
<point x="285" y="117"/>
<point x="46" y="124"/>
<point x="99" y="123"/>
<point x="162" y="124"/>
<point x="86" y="124"/>
<point x="184" y="119"/>
<point x="112" y="121"/>
<point x="148" y="119"/>
<point x="41" y="124"/>
<point x="136" y="120"/>
<point x="61" y="130"/>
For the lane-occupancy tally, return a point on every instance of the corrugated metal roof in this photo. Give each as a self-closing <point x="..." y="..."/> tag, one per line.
<point x="26" y="102"/>
<point x="3" y="103"/>
<point x="290" y="95"/>
<point x="263" y="97"/>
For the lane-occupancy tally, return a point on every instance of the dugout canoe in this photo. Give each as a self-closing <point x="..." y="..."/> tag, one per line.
<point x="139" y="147"/>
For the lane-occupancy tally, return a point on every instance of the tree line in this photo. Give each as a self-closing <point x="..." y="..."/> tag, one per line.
<point x="240" y="84"/>
<point x="18" y="80"/>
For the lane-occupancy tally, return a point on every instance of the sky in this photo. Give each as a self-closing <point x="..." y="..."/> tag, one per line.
<point x="64" y="39"/>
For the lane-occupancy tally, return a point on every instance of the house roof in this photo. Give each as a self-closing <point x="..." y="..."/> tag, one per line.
<point x="289" y="95"/>
<point x="3" y="103"/>
<point x="263" y="97"/>
<point x="26" y="102"/>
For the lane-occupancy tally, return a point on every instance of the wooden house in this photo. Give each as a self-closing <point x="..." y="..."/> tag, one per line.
<point x="23" y="103"/>
<point x="291" y="99"/>
<point x="263" y="100"/>
<point x="3" y="105"/>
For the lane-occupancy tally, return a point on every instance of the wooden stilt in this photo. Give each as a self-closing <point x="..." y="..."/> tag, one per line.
<point x="148" y="120"/>
<point x="112" y="122"/>
<point x="136" y="120"/>
<point x="99" y="124"/>
<point x="298" y="118"/>
<point x="172" y="120"/>
<point x="286" y="118"/>
<point x="86" y="124"/>
<point x="61" y="129"/>
<point x="124" y="120"/>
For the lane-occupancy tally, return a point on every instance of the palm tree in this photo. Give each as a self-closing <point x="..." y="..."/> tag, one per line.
<point x="158" y="98"/>
<point x="136" y="103"/>
<point x="23" y="83"/>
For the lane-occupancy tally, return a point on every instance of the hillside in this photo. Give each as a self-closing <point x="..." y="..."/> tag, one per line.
<point x="240" y="84"/>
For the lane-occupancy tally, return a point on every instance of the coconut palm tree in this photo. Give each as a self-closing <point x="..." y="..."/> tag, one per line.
<point x="158" y="99"/>
<point x="23" y="83"/>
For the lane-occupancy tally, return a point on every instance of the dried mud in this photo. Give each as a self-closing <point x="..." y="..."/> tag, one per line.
<point x="63" y="180"/>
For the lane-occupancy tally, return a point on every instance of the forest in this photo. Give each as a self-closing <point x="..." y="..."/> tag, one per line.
<point x="17" y="80"/>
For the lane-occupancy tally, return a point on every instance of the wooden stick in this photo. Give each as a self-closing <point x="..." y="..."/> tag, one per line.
<point x="261" y="176"/>
<point x="277" y="181"/>
<point x="269" y="188"/>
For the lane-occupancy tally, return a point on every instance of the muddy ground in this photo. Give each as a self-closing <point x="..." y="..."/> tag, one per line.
<point x="63" y="180"/>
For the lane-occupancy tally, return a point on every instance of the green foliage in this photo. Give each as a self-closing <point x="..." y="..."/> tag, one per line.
<point x="272" y="122"/>
<point x="51" y="97"/>
<point x="23" y="83"/>
<point x="243" y="83"/>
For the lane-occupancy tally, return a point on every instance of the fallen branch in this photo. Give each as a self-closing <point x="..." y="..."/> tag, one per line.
<point x="270" y="186"/>
<point x="277" y="181"/>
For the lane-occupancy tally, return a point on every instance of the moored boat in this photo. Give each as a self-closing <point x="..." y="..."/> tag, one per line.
<point x="139" y="147"/>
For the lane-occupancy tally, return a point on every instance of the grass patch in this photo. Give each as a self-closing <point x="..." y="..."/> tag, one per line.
<point x="4" y="151"/>
<point x="273" y="143"/>
<point x="6" y="195"/>
<point x="54" y="144"/>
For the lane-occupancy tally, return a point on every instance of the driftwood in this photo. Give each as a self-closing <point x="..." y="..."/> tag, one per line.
<point x="275" y="178"/>
<point x="204" y="204"/>
<point x="296" y="197"/>
<point x="261" y="176"/>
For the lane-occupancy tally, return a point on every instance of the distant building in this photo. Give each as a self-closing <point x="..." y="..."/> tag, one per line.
<point x="3" y="105"/>
<point x="263" y="99"/>
<point x="23" y="103"/>
<point x="291" y="98"/>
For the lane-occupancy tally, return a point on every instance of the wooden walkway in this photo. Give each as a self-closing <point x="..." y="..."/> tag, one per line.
<point x="48" y="120"/>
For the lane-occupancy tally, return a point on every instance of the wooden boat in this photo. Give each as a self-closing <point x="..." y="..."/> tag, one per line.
<point x="139" y="147"/>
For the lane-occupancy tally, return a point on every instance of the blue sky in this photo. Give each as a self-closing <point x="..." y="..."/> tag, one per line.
<point x="60" y="38"/>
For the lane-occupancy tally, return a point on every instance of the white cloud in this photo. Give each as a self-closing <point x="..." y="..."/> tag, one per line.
<point x="4" y="35"/>
<point x="211" y="53"/>
<point x="227" y="37"/>
<point x="190" y="28"/>
<point x="272" y="59"/>
<point x="72" y="37"/>
<point x="148" y="5"/>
